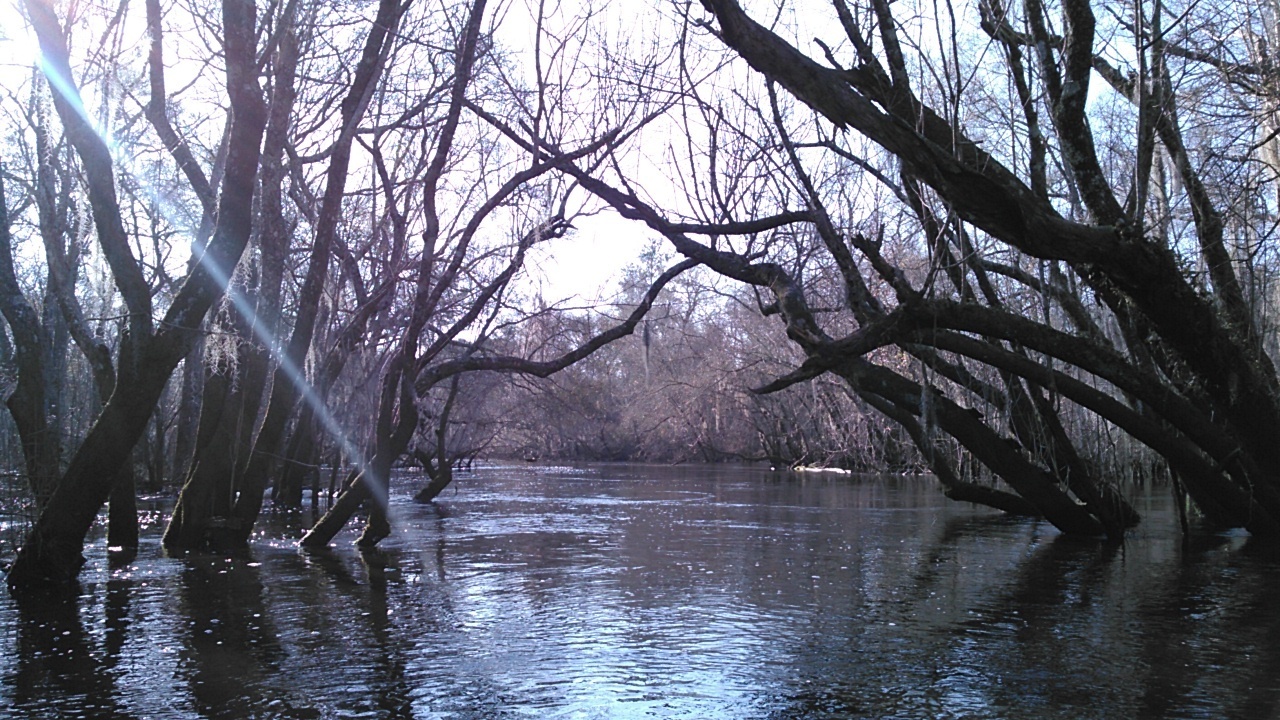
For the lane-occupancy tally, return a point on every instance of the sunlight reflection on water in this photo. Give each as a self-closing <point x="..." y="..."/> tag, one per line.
<point x="625" y="591"/>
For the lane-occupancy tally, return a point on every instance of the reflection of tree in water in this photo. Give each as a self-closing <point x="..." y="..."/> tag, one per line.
<point x="60" y="672"/>
<point x="232" y="650"/>
<point x="357" y="611"/>
<point x="811" y="612"/>
<point x="1060" y="628"/>
<point x="1039" y="640"/>
<point x="390" y="691"/>
<point x="1078" y="628"/>
<point x="120" y="588"/>
<point x="399" y="637"/>
<point x="879" y="643"/>
<point x="1211" y="593"/>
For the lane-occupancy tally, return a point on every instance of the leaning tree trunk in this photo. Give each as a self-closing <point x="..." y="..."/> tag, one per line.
<point x="51" y="555"/>
<point x="397" y="418"/>
<point x="58" y="229"/>
<point x="28" y="403"/>
<point x="440" y="477"/>
<point x="953" y="487"/>
<point x="286" y="387"/>
<point x="437" y="464"/>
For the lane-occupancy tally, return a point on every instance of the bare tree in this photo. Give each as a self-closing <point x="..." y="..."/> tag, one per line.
<point x="149" y="351"/>
<point x="995" y="351"/>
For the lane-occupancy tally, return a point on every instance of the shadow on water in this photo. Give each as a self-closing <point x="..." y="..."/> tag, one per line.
<point x="61" y="670"/>
<point x="390" y="687"/>
<point x="381" y="648"/>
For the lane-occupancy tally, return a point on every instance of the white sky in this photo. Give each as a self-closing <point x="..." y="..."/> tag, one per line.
<point x="588" y="263"/>
<point x="578" y="269"/>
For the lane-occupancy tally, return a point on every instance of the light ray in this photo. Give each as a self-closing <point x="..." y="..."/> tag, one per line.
<point x="125" y="164"/>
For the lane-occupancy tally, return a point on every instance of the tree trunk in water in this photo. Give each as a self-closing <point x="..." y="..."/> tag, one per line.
<point x="1199" y="326"/>
<point x="203" y="514"/>
<point x="51" y="555"/>
<point x="205" y="502"/>
<point x="397" y="419"/>
<point x="354" y="493"/>
<point x="286" y="387"/>
<point x="439" y="466"/>
<point x="953" y="487"/>
<point x="1029" y="481"/>
<point x="207" y="511"/>
<point x="300" y="462"/>
<point x="441" y="476"/>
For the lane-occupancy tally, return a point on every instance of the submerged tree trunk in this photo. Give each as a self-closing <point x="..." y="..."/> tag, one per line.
<point x="51" y="555"/>
<point x="200" y="514"/>
<point x="287" y="386"/>
<point x="122" y="509"/>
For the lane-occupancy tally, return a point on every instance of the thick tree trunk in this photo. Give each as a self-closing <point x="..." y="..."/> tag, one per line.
<point x="288" y="384"/>
<point x="208" y="492"/>
<point x="233" y="394"/>
<point x="51" y="555"/>
<point x="203" y="515"/>
<point x="122" y="509"/>
<point x="29" y="403"/>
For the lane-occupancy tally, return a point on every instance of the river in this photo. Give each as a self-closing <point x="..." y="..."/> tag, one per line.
<point x="624" y="591"/>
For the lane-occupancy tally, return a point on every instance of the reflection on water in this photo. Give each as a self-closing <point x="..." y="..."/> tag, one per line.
<point x="636" y="592"/>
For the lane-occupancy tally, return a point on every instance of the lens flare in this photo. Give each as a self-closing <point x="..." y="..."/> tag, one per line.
<point x="124" y="163"/>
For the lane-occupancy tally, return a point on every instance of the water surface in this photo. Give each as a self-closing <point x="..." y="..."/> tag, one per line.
<point x="642" y="592"/>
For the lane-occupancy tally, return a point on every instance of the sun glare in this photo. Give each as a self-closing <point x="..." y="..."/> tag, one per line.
<point x="19" y="44"/>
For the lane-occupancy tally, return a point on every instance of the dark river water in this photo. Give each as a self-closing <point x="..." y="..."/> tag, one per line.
<point x="640" y="592"/>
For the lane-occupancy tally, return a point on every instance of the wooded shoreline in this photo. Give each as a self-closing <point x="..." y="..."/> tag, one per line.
<point x="1030" y="248"/>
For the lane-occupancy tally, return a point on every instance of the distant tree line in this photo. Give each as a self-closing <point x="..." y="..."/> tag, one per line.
<point x="679" y="390"/>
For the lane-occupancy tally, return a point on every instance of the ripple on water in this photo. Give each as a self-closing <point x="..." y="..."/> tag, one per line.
<point x="657" y="592"/>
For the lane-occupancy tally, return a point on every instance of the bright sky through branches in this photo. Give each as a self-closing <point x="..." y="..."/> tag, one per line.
<point x="580" y="268"/>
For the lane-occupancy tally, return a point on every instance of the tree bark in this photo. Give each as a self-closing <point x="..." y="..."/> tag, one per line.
<point x="287" y="385"/>
<point x="51" y="555"/>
